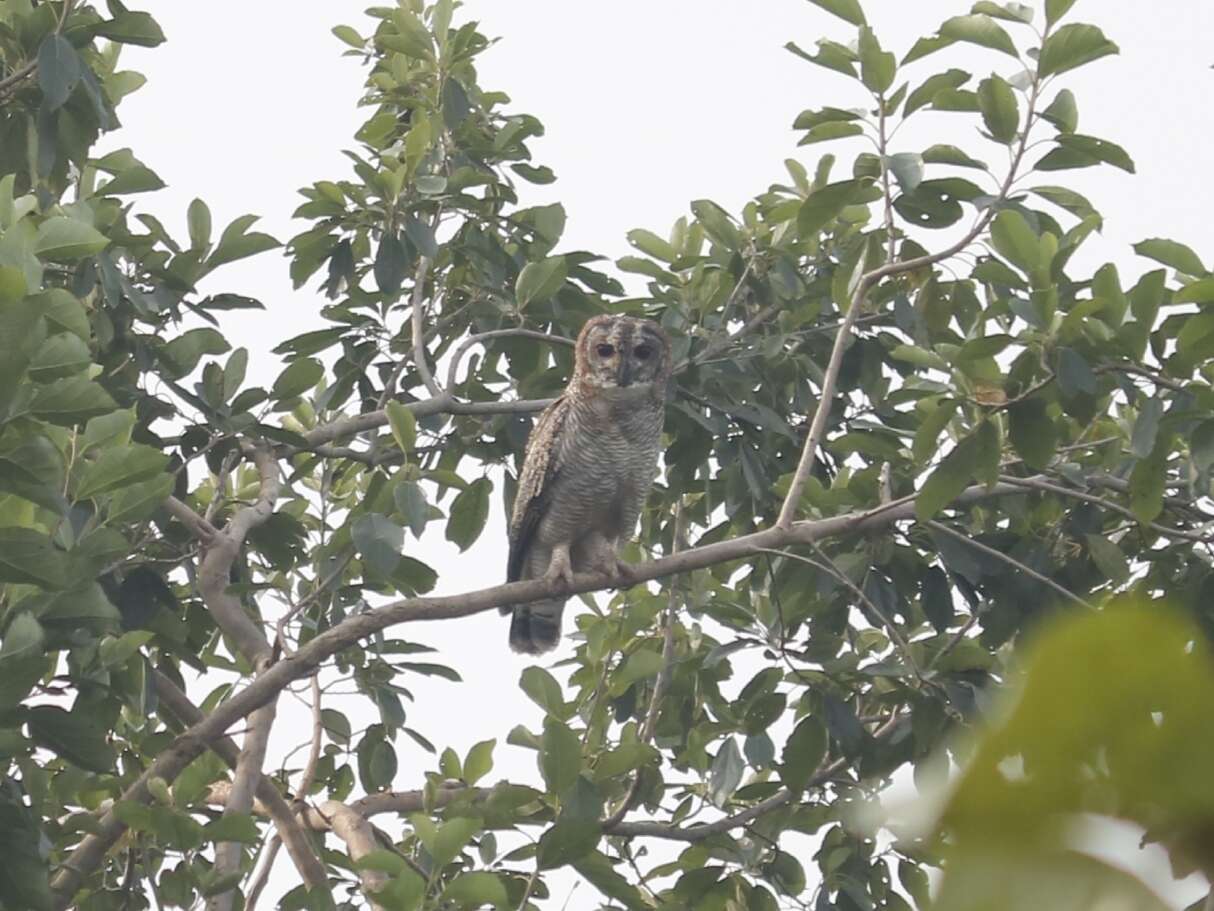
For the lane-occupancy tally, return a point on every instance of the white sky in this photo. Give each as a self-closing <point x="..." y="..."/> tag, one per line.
<point x="648" y="105"/>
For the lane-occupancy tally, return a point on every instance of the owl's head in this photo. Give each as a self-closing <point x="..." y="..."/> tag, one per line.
<point x="623" y="353"/>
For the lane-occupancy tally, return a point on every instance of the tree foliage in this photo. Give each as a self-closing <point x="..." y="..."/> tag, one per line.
<point x="890" y="460"/>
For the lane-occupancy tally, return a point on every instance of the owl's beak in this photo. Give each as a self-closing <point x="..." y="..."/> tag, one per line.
<point x="625" y="374"/>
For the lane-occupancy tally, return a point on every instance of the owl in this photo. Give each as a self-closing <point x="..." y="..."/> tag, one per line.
<point x="590" y="462"/>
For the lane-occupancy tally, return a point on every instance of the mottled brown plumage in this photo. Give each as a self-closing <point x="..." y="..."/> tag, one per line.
<point x="590" y="462"/>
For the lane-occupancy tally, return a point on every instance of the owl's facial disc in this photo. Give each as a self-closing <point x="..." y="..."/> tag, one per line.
<point x="624" y="354"/>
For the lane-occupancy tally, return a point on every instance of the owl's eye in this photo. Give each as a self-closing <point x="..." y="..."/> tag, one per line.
<point x="605" y="350"/>
<point x="642" y="352"/>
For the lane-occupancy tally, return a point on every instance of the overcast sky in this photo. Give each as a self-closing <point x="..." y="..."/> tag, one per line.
<point x="648" y="105"/>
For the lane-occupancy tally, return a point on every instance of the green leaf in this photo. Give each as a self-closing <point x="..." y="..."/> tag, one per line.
<point x="198" y="220"/>
<point x="1147" y="483"/>
<point x="848" y="10"/>
<point x="23" y="639"/>
<point x="928" y="434"/>
<point x="640" y="665"/>
<point x="28" y="556"/>
<point x="831" y="55"/>
<point x="63" y="354"/>
<point x="1171" y="253"/>
<point x="236" y="243"/>
<point x="1201" y="445"/>
<point x="1078" y="151"/>
<point x="184" y="352"/>
<point x="469" y="511"/>
<point x="717" y="223"/>
<point x="61" y="238"/>
<point x="1015" y="241"/>
<point x="947" y="154"/>
<point x="475" y="889"/>
<point x="567" y="841"/>
<point x="652" y="245"/>
<point x="1108" y="559"/>
<point x="541" y="687"/>
<point x="1000" y="112"/>
<point x="1075" y="375"/>
<point x="403" y="426"/>
<point x="538" y="281"/>
<point x="824" y="204"/>
<point x="75" y="737"/>
<point x="479" y="762"/>
<point x="877" y="67"/>
<point x="24" y="881"/>
<point x="923" y="95"/>
<point x="1012" y="12"/>
<point x="825" y="132"/>
<point x="139" y="501"/>
<point x="71" y="400"/>
<point x="131" y="28"/>
<point x="952" y="476"/>
<point x="1146" y="428"/>
<point x="936" y="599"/>
<point x="1072" y="46"/>
<point x="907" y="168"/>
<point x="1062" y="112"/>
<point x="118" y="467"/>
<point x="981" y="30"/>
<point x="560" y="756"/>
<point x="726" y="773"/>
<point x="349" y="36"/>
<point x="1034" y="436"/>
<point x="596" y="869"/>
<point x="803" y="753"/>
<point x="237" y="827"/>
<point x="59" y="69"/>
<point x="391" y="264"/>
<point x="300" y="376"/>
<point x="1056" y="9"/>
<point x="379" y="541"/>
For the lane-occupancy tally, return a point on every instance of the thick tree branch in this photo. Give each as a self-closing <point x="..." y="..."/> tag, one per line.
<point x="92" y="849"/>
<point x="271" y="802"/>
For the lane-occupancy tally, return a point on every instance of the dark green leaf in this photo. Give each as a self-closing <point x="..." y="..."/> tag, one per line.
<point x="28" y="556"/>
<point x="1056" y="9"/>
<point x="1072" y="46"/>
<point x="1108" y="558"/>
<point x="978" y="29"/>
<point x="75" y="737"/>
<point x="1000" y="112"/>
<point x="560" y="756"/>
<point x="1173" y="254"/>
<point x="923" y="95"/>
<point x="1146" y="428"/>
<point x="726" y="772"/>
<point x="59" y="69"/>
<point x="803" y="753"/>
<point x="848" y="10"/>
<point x="379" y="540"/>
<point x="1062" y="112"/>
<point x="877" y="67"/>
<point x="936" y="599"/>
<point x="297" y="379"/>
<point x="1033" y="434"/>
<point x="120" y="467"/>
<point x="952" y="476"/>
<point x="825" y="204"/>
<point x="469" y="511"/>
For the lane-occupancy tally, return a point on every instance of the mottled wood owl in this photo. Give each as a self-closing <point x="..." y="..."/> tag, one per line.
<point x="590" y="462"/>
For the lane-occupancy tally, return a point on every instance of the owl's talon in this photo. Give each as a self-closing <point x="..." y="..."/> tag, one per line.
<point x="560" y="568"/>
<point x="626" y="573"/>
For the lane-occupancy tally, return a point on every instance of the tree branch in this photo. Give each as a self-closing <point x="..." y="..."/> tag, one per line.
<point x="830" y="376"/>
<point x="288" y="827"/>
<point x="92" y="849"/>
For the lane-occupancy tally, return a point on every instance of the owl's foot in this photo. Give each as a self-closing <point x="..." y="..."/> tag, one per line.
<point x="560" y="567"/>
<point x="626" y="573"/>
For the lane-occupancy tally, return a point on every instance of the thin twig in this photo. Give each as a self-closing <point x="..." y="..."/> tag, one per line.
<point x="415" y="316"/>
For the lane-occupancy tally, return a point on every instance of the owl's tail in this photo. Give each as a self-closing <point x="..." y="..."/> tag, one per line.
<point x="536" y="628"/>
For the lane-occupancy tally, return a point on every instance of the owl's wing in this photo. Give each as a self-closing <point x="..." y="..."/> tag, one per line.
<point x="540" y="468"/>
